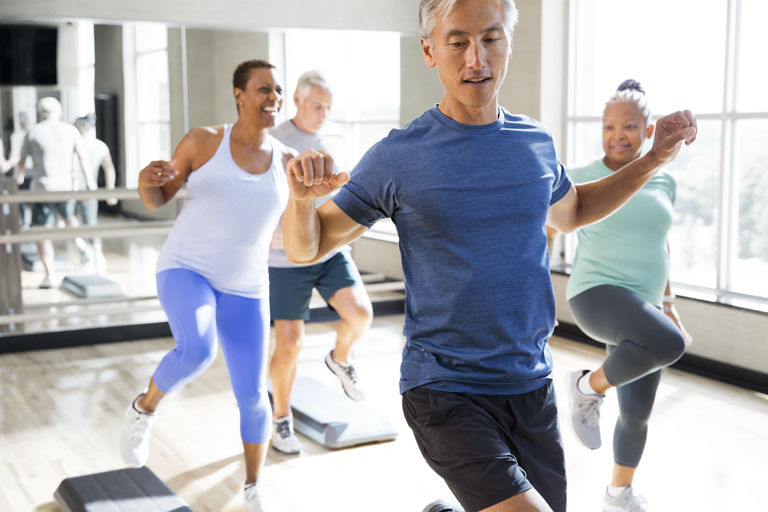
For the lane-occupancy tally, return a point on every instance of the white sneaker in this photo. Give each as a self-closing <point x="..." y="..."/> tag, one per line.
<point x="627" y="501"/>
<point x="284" y="440"/>
<point x="585" y="411"/>
<point x="347" y="375"/>
<point x="253" y="499"/>
<point x="134" y="437"/>
<point x="49" y="281"/>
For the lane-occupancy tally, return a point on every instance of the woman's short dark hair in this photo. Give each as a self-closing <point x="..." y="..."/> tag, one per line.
<point x="243" y="72"/>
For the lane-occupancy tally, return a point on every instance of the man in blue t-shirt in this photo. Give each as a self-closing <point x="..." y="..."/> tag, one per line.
<point x="471" y="189"/>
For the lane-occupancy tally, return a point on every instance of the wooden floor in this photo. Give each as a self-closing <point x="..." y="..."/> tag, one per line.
<point x="61" y="410"/>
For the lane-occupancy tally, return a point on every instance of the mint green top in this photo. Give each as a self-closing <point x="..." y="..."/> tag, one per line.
<point x="629" y="247"/>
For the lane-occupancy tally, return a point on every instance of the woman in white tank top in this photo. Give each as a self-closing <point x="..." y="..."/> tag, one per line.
<point x="212" y="271"/>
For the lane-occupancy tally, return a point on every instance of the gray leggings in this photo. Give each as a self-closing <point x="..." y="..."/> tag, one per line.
<point x="640" y="341"/>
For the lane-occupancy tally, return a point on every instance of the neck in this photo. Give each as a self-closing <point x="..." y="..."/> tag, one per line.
<point x="485" y="114"/>
<point x="301" y="125"/>
<point x="610" y="164"/>
<point x="248" y="133"/>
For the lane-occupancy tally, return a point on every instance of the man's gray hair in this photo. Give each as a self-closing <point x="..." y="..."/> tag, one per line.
<point x="432" y="11"/>
<point x="50" y="107"/>
<point x="308" y="80"/>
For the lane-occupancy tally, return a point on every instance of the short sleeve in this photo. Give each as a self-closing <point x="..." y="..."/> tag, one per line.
<point x="368" y="196"/>
<point x="561" y="185"/>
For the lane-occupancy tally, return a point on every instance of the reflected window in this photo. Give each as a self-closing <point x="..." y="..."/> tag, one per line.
<point x="363" y="69"/>
<point x="719" y="240"/>
<point x="153" y="112"/>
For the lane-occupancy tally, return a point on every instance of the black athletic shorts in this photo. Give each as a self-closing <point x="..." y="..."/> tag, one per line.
<point x="489" y="448"/>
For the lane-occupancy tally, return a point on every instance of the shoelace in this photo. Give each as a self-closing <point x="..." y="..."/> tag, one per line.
<point x="284" y="429"/>
<point x="349" y="370"/>
<point x="590" y="411"/>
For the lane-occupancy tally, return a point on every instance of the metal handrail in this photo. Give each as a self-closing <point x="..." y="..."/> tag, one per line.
<point x="118" y="230"/>
<point x="45" y="196"/>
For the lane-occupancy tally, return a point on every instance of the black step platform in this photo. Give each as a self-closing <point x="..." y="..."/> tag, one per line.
<point x="122" y="490"/>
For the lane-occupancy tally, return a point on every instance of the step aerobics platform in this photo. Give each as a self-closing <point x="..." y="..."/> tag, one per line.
<point x="122" y="490"/>
<point x="332" y="419"/>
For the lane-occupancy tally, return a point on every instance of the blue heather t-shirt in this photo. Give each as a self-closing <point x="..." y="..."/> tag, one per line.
<point x="470" y="206"/>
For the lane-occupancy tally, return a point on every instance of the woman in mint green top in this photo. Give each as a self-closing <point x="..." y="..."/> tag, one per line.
<point x="619" y="294"/>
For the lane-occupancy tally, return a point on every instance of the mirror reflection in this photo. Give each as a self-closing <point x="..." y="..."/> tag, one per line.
<point x="108" y="99"/>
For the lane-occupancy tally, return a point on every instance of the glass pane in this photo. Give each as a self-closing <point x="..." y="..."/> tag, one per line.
<point x="152" y="96"/>
<point x="154" y="144"/>
<point x="752" y="70"/>
<point x="365" y="135"/>
<point x="678" y="56"/>
<point x="693" y="237"/>
<point x="584" y="143"/>
<point x="371" y="92"/>
<point x="151" y="36"/>
<point x="750" y="268"/>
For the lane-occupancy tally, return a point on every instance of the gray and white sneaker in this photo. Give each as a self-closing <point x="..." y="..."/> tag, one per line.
<point x="284" y="439"/>
<point x="585" y="411"/>
<point x="253" y="499"/>
<point x="627" y="501"/>
<point x="347" y="375"/>
<point x="134" y="437"/>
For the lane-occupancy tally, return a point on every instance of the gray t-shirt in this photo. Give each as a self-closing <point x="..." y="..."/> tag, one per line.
<point x="330" y="139"/>
<point x="51" y="145"/>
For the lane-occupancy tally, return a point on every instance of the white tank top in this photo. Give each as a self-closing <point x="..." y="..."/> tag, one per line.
<point x="226" y="224"/>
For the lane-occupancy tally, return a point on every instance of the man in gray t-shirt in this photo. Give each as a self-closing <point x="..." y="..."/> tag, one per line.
<point x="335" y="276"/>
<point x="51" y="144"/>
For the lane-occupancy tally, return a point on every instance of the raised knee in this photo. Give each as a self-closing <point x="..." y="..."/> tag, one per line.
<point x="673" y="348"/>
<point x="360" y="315"/>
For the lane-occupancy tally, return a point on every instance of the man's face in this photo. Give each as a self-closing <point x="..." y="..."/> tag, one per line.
<point x="471" y="48"/>
<point x="313" y="109"/>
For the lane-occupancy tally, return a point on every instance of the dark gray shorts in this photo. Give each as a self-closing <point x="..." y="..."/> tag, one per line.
<point x="290" y="289"/>
<point x="489" y="448"/>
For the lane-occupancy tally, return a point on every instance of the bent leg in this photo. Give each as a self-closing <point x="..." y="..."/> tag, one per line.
<point x="645" y="338"/>
<point x="477" y="444"/>
<point x="356" y="312"/>
<point x="342" y="288"/>
<point x="189" y="303"/>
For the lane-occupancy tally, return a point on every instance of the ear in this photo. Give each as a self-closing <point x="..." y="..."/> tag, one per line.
<point x="649" y="133"/>
<point x="296" y="98"/>
<point x="238" y="94"/>
<point x="427" y="51"/>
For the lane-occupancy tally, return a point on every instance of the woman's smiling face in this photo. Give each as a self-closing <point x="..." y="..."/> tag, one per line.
<point x="624" y="131"/>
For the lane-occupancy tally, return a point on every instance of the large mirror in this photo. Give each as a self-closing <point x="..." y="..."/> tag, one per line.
<point x="138" y="88"/>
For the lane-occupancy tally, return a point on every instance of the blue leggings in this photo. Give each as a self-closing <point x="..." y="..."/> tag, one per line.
<point x="198" y="314"/>
<point x="640" y="340"/>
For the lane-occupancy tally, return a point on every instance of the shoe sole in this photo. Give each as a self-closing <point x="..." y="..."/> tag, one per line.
<point x="282" y="452"/>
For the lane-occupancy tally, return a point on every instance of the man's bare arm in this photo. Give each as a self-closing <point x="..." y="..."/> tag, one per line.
<point x="309" y="233"/>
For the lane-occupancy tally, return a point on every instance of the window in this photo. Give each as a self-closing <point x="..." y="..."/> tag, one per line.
<point x="713" y="64"/>
<point x="363" y="69"/>
<point x="153" y="128"/>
